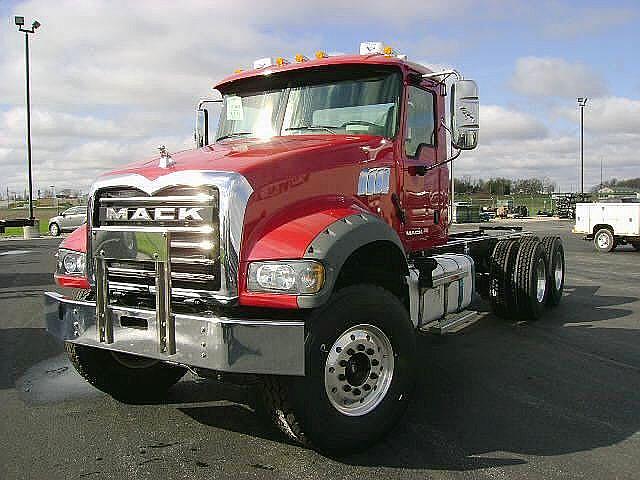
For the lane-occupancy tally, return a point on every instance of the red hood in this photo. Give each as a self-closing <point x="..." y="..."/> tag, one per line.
<point x="251" y="157"/>
<point x="292" y="177"/>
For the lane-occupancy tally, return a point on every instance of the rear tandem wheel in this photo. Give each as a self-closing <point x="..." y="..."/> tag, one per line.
<point x="519" y="277"/>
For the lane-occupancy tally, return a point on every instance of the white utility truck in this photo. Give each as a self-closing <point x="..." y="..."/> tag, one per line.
<point x="609" y="224"/>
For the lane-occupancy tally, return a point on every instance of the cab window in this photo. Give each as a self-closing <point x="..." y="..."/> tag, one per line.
<point x="420" y="120"/>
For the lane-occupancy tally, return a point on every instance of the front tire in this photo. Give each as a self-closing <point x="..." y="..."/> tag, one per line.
<point x="360" y="361"/>
<point x="54" y="229"/>
<point x="123" y="376"/>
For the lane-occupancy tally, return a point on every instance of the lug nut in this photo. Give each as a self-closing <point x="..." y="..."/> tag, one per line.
<point x="374" y="362"/>
<point x="356" y="391"/>
<point x="343" y="363"/>
<point x="360" y="347"/>
<point x="351" y="351"/>
<point x="346" y="388"/>
<point x="338" y="349"/>
<point x="366" y="387"/>
<point x="370" y="351"/>
<point x="331" y="369"/>
<point x="373" y="376"/>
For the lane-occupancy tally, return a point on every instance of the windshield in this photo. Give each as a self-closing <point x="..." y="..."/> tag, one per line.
<point x="366" y="105"/>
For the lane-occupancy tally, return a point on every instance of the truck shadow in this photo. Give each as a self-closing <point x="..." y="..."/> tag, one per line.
<point x="492" y="395"/>
<point x="500" y="392"/>
<point x="497" y="393"/>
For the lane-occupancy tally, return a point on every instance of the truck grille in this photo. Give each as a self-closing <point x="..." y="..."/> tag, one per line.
<point x="190" y="215"/>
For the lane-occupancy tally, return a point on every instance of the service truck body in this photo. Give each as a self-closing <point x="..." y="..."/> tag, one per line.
<point x="609" y="224"/>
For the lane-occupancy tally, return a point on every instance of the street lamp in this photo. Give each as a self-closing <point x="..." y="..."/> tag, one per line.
<point x="27" y="31"/>
<point x="55" y="198"/>
<point x="582" y="102"/>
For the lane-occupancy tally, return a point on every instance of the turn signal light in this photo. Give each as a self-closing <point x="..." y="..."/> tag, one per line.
<point x="301" y="58"/>
<point x="280" y="61"/>
<point x="321" y="54"/>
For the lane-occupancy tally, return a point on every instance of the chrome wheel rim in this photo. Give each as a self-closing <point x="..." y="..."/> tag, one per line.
<point x="358" y="370"/>
<point x="541" y="280"/>
<point x="603" y="240"/>
<point x="559" y="270"/>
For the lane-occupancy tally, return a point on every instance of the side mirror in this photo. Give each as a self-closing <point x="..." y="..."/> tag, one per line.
<point x="201" y="135"/>
<point x="465" y="121"/>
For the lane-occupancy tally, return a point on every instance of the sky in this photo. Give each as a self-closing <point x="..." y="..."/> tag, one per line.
<point x="112" y="80"/>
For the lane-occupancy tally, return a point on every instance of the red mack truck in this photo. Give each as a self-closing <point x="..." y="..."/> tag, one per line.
<point x="301" y="247"/>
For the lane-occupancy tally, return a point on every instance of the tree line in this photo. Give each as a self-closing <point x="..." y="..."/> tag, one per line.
<point x="505" y="186"/>
<point x="631" y="183"/>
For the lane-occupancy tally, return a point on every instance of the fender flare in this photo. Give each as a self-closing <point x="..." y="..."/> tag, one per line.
<point x="336" y="243"/>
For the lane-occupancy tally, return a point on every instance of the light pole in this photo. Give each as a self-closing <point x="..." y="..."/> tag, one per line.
<point x="55" y="198"/>
<point x="27" y="31"/>
<point x="582" y="101"/>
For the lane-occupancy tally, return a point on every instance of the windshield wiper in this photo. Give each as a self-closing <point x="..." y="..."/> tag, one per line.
<point x="311" y="127"/>
<point x="234" y="134"/>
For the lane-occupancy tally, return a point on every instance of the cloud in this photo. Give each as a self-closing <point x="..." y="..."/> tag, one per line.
<point x="112" y="80"/>
<point x="556" y="156"/>
<point x="616" y="115"/>
<point x="555" y="77"/>
<point x="498" y="124"/>
<point x="60" y="124"/>
<point x="572" y="22"/>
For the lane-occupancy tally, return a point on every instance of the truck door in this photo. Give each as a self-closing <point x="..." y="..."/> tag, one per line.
<point x="422" y="196"/>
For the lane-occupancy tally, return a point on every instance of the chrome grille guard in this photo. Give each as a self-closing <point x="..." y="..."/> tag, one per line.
<point x="234" y="192"/>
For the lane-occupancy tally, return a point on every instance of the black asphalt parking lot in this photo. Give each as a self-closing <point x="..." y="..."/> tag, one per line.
<point x="558" y="398"/>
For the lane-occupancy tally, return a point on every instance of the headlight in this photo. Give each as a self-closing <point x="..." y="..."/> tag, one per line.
<point x="293" y="276"/>
<point x="70" y="262"/>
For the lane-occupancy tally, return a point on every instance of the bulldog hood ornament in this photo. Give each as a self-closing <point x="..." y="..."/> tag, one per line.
<point x="165" y="157"/>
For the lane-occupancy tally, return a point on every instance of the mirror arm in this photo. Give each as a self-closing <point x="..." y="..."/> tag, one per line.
<point x="207" y="100"/>
<point x="444" y="74"/>
<point x="200" y="109"/>
<point x="450" y="159"/>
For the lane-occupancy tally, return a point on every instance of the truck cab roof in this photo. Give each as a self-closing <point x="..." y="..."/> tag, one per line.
<point x="373" y="60"/>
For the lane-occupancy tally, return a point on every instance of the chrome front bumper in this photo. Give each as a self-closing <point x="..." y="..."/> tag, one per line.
<point x="216" y="343"/>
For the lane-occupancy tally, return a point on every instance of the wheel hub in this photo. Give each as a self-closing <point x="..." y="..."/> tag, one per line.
<point x="603" y="241"/>
<point x="541" y="280"/>
<point x="358" y="370"/>
<point x="558" y="272"/>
